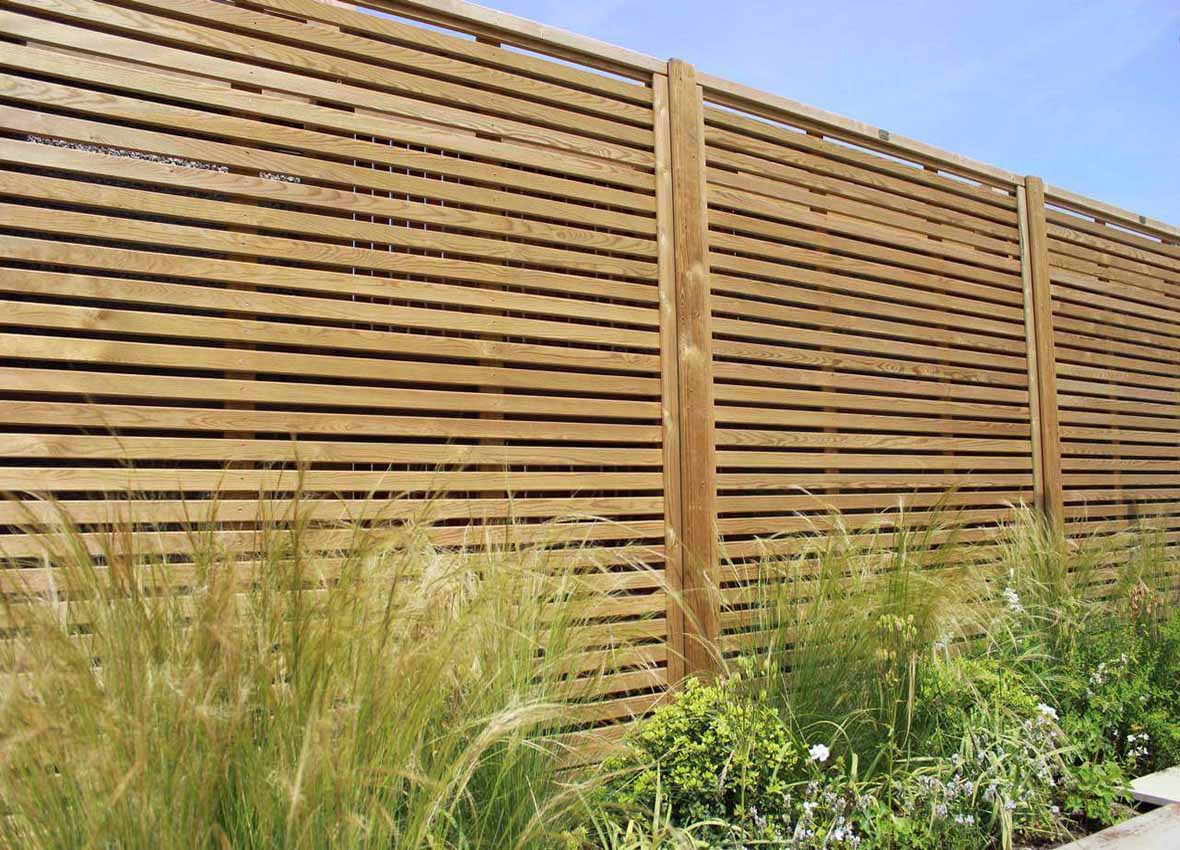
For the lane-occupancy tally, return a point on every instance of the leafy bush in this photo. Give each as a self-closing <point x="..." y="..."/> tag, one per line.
<point x="995" y="753"/>
<point x="1023" y="734"/>
<point x="713" y="753"/>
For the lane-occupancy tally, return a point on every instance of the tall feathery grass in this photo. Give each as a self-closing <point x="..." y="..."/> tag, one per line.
<point x="387" y="694"/>
<point x="844" y="623"/>
<point x="303" y="686"/>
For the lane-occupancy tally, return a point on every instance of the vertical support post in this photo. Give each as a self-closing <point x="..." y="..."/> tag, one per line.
<point x="1030" y="344"/>
<point x="1035" y="258"/>
<point x="690" y="247"/>
<point x="669" y="382"/>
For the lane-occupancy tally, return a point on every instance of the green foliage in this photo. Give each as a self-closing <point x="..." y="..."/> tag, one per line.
<point x="964" y="742"/>
<point x="887" y="699"/>
<point x="845" y="625"/>
<point x="1093" y="791"/>
<point x="714" y="753"/>
<point x="995" y="753"/>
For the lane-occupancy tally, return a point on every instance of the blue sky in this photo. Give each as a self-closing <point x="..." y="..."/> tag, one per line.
<point x="1084" y="93"/>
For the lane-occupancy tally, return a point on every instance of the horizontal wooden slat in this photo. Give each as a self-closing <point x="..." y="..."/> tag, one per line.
<point x="1114" y="317"/>
<point x="324" y="88"/>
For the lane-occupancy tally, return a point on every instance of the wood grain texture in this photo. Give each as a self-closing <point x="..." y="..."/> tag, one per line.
<point x="694" y="347"/>
<point x="506" y="280"/>
<point x="1042" y="310"/>
<point x="293" y="248"/>
<point x="1114" y="318"/>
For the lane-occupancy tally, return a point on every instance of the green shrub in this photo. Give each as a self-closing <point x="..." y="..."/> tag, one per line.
<point x="713" y="753"/>
<point x="1093" y="791"/>
<point x="993" y="757"/>
<point x="953" y="692"/>
<point x="1121" y="693"/>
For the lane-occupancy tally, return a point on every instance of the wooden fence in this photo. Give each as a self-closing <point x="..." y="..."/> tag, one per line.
<point x="513" y="274"/>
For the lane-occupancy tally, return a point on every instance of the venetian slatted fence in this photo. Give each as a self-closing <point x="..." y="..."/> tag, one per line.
<point x="504" y="274"/>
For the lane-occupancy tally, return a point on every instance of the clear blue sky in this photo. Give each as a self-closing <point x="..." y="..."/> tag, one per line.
<point x="1084" y="93"/>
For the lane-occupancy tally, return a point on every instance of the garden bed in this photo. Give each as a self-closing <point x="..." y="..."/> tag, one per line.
<point x="399" y="695"/>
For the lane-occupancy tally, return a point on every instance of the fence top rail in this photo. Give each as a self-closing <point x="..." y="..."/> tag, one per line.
<point x="735" y="95"/>
<point x="523" y="33"/>
<point x="562" y="44"/>
<point x="1110" y="213"/>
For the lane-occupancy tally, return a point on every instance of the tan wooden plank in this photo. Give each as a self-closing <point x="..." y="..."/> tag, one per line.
<point x="778" y="231"/>
<point x="245" y="244"/>
<point x="176" y="296"/>
<point x="1034" y="383"/>
<point x="1106" y="403"/>
<point x="883" y="502"/>
<point x="1148" y="367"/>
<point x="749" y="373"/>
<point x="1089" y="412"/>
<point x="787" y="281"/>
<point x="206" y="270"/>
<point x="530" y="35"/>
<point x="1123" y="303"/>
<point x="1072" y="334"/>
<point x="187" y="448"/>
<point x="1046" y="360"/>
<point x="1064" y="255"/>
<point x="884" y="351"/>
<point x="857" y="327"/>
<point x="766" y="174"/>
<point x="1117" y="238"/>
<point x="327" y="146"/>
<point x="47" y="480"/>
<point x="794" y="439"/>
<point x="873" y="421"/>
<point x="847" y="460"/>
<point x="524" y="70"/>
<point x="780" y="201"/>
<point x="155" y="54"/>
<point x="314" y="36"/>
<point x="669" y="383"/>
<point x="695" y="337"/>
<point x="836" y="361"/>
<point x="792" y="524"/>
<point x="282" y="43"/>
<point x="786" y="254"/>
<point x="754" y="481"/>
<point x="1112" y="390"/>
<point x="861" y="136"/>
<point x="354" y="370"/>
<point x="1124" y="379"/>
<point x="299" y="393"/>
<point x="241" y="186"/>
<point x="1076" y="452"/>
<point x="193" y="512"/>
<point x="107" y="417"/>
<point x="115" y="200"/>
<point x="727" y="131"/>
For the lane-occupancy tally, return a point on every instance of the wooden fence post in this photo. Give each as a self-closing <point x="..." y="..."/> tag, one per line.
<point x="1043" y="361"/>
<point x="669" y="382"/>
<point x="690" y="246"/>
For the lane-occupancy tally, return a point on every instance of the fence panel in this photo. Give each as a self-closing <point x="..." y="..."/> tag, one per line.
<point x="498" y="275"/>
<point x="1115" y="315"/>
<point x="425" y="267"/>
<point x="869" y="344"/>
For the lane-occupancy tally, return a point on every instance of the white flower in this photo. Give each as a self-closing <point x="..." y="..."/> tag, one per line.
<point x="1013" y="600"/>
<point x="1047" y="711"/>
<point x="819" y="753"/>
